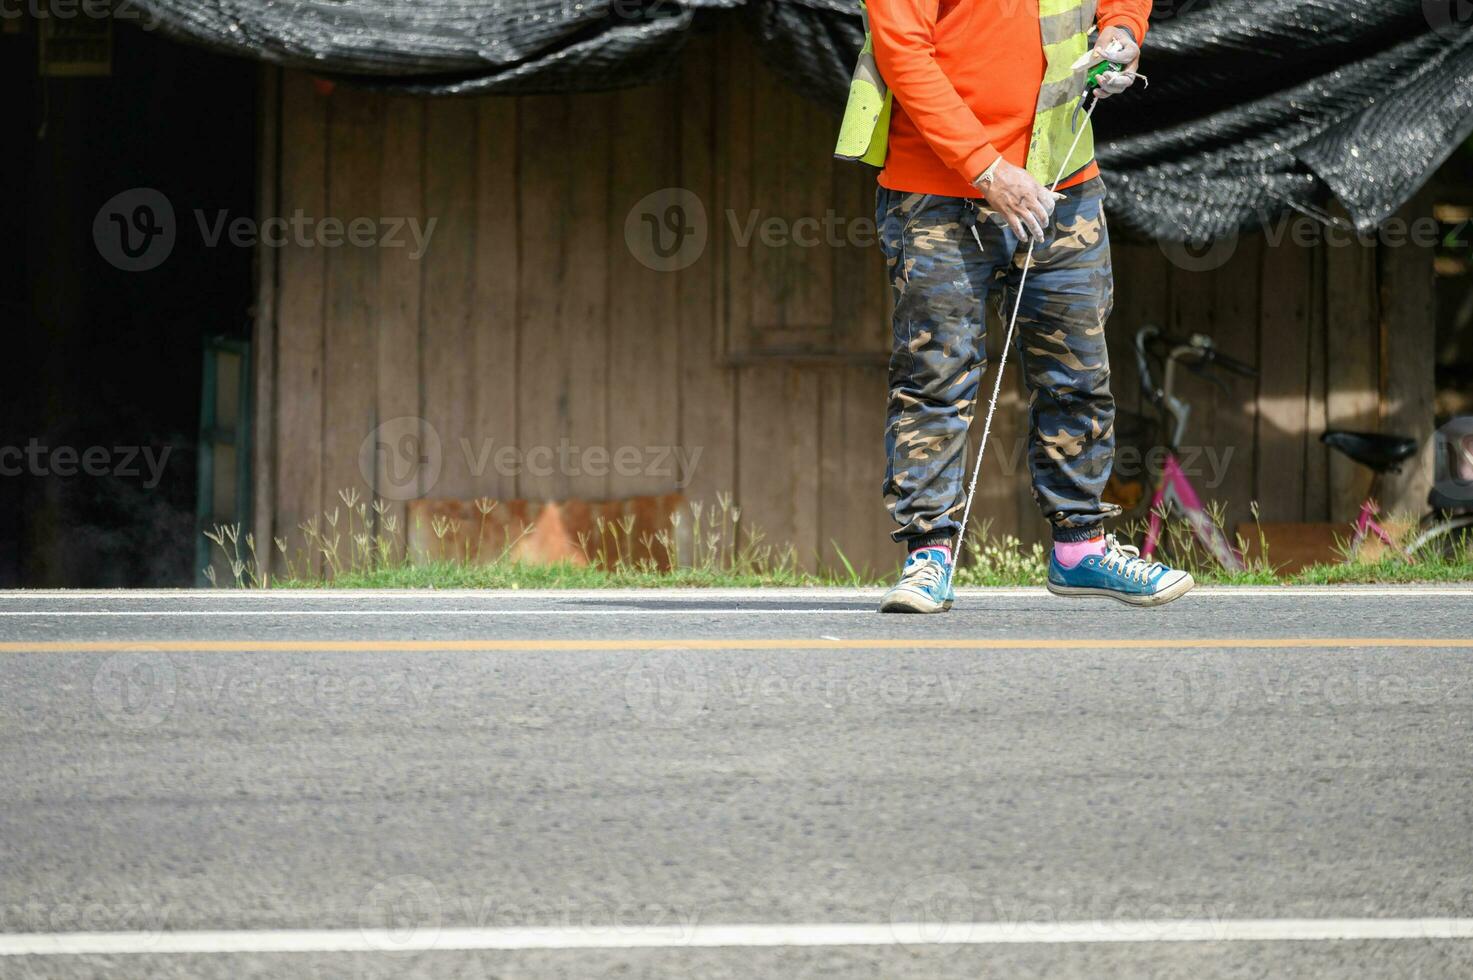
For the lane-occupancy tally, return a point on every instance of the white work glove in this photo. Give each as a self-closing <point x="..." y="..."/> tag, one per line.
<point x="1114" y="44"/>
<point x="1018" y="197"/>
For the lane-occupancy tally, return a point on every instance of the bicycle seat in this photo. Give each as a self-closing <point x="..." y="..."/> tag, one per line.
<point x="1442" y="500"/>
<point x="1382" y="453"/>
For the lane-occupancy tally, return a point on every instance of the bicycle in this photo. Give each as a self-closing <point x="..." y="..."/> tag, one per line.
<point x="1448" y="524"/>
<point x="1174" y="490"/>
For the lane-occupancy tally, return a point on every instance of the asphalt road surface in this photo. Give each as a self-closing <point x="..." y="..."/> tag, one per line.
<point x="1255" y="783"/>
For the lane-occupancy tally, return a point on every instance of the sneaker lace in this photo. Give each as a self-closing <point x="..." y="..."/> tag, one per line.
<point x="926" y="573"/>
<point x="1126" y="560"/>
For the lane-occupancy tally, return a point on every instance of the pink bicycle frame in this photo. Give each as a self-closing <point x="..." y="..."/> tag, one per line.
<point x="1366" y="525"/>
<point x="1176" y="491"/>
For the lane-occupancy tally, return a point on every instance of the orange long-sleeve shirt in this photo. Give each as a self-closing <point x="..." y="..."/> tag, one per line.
<point x="966" y="76"/>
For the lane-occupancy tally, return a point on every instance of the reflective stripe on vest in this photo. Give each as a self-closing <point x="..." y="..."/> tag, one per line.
<point x="1064" y="27"/>
<point x="864" y="134"/>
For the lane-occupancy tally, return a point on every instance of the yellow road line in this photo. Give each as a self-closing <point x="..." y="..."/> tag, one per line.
<point x="793" y="643"/>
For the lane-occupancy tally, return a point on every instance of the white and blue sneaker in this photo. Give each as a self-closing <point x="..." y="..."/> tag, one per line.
<point x="924" y="586"/>
<point x="1120" y="573"/>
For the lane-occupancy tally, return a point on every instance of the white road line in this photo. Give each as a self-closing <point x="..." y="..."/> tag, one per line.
<point x="610" y="603"/>
<point x="754" y="935"/>
<point x="346" y="613"/>
<point x="1346" y="592"/>
<point x="325" y="594"/>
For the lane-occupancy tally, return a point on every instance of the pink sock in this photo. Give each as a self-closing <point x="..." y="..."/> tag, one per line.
<point x="945" y="550"/>
<point x="1071" y="553"/>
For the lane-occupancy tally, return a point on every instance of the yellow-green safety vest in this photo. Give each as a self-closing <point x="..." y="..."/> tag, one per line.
<point x="1064" y="27"/>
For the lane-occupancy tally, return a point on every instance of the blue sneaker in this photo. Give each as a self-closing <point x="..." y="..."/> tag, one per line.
<point x="1120" y="573"/>
<point x="924" y="586"/>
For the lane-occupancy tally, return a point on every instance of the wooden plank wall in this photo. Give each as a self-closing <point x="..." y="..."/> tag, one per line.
<point x="530" y="322"/>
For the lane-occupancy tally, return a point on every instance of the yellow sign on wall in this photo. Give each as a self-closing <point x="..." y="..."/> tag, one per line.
<point x="76" y="46"/>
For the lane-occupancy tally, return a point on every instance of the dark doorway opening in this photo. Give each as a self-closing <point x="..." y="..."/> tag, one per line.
<point x="99" y="412"/>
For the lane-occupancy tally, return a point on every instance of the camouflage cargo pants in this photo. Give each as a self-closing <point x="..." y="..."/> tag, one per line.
<point x="940" y="279"/>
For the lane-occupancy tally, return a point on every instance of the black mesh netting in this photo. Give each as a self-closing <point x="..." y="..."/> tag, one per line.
<point x="1254" y="106"/>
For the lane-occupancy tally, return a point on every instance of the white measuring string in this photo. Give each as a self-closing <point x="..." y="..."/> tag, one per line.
<point x="961" y="534"/>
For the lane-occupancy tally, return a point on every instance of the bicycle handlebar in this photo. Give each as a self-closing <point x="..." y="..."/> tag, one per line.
<point x="1144" y="336"/>
<point x="1197" y="354"/>
<point x="1215" y="356"/>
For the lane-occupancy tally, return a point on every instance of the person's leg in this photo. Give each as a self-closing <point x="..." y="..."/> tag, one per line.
<point x="1061" y="347"/>
<point x="939" y="279"/>
<point x="1061" y="344"/>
